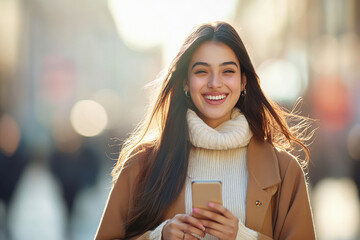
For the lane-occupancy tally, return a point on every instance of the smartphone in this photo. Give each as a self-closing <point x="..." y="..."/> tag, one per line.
<point x="205" y="191"/>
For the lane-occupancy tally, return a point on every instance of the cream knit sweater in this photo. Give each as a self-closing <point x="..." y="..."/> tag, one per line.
<point x="219" y="154"/>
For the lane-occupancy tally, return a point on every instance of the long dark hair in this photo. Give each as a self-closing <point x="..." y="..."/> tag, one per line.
<point x="165" y="130"/>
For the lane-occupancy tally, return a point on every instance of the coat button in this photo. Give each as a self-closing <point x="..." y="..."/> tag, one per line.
<point x="258" y="203"/>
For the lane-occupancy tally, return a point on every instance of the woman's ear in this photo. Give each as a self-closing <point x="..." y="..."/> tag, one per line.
<point x="185" y="85"/>
<point x="243" y="81"/>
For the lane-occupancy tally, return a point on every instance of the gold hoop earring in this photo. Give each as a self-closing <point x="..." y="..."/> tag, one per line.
<point x="243" y="93"/>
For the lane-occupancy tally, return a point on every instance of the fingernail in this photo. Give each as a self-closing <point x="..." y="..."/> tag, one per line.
<point x="211" y="204"/>
<point x="203" y="228"/>
<point x="196" y="210"/>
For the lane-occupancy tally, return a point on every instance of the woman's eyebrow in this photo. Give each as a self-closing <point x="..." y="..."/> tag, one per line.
<point x="200" y="63"/>
<point x="229" y="63"/>
<point x="208" y="65"/>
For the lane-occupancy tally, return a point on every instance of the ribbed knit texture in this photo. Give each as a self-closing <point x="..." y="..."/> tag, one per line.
<point x="220" y="154"/>
<point x="232" y="134"/>
<point x="156" y="234"/>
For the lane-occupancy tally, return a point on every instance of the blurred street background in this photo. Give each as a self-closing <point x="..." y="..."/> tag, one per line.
<point x="72" y="77"/>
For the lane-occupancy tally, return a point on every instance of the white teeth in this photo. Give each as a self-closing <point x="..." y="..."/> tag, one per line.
<point x="218" y="97"/>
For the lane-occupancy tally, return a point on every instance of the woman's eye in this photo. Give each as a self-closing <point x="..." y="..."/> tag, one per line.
<point x="200" y="71"/>
<point x="229" y="71"/>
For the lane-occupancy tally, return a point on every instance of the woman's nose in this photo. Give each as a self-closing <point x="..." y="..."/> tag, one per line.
<point x="215" y="81"/>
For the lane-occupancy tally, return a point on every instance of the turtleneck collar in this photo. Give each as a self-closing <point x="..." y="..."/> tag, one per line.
<point x="234" y="133"/>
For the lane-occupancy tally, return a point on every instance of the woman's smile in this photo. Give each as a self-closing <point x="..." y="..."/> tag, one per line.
<point x="215" y="98"/>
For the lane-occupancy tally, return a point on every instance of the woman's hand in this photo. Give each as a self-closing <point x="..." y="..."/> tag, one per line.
<point x="182" y="226"/>
<point x="220" y="222"/>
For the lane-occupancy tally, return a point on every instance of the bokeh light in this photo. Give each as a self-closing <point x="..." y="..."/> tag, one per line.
<point x="337" y="209"/>
<point x="88" y="118"/>
<point x="281" y="80"/>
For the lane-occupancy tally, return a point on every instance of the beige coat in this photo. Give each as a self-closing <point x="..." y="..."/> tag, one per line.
<point x="277" y="203"/>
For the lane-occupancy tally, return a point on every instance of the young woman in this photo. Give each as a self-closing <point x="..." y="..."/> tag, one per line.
<point x="211" y="120"/>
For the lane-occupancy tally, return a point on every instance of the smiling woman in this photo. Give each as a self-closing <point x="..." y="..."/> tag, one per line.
<point x="211" y="120"/>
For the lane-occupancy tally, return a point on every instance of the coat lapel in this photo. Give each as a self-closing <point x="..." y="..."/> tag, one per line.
<point x="263" y="179"/>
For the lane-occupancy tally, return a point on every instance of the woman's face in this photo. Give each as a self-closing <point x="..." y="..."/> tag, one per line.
<point x="214" y="82"/>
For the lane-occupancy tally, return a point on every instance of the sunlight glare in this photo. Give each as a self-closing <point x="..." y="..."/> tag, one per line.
<point x="143" y="24"/>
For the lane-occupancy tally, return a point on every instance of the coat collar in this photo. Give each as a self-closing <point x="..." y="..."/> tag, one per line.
<point x="262" y="163"/>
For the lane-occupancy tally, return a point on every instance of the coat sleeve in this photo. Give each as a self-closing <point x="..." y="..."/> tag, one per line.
<point x="294" y="216"/>
<point x="112" y="224"/>
<point x="263" y="237"/>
